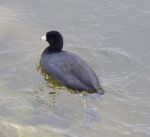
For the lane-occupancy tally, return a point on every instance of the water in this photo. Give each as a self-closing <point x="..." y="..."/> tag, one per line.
<point x="112" y="36"/>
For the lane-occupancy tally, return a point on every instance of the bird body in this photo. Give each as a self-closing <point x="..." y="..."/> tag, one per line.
<point x="69" y="69"/>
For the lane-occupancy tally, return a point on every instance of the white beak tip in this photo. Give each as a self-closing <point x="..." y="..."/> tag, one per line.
<point x="43" y="38"/>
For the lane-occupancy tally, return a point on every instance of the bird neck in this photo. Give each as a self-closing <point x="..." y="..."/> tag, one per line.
<point x="52" y="49"/>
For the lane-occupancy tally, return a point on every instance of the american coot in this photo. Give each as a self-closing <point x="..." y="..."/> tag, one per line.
<point x="67" y="68"/>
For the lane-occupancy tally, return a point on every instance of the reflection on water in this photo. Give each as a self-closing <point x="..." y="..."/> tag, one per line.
<point x="90" y="114"/>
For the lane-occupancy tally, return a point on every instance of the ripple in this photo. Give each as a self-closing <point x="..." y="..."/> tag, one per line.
<point x="6" y="15"/>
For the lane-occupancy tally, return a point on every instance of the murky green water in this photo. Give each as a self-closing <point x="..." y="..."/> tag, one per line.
<point x="112" y="36"/>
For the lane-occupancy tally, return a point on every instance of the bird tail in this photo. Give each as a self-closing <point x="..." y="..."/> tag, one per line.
<point x="100" y="91"/>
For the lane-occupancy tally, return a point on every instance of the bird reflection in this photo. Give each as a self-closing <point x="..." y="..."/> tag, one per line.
<point x="45" y="100"/>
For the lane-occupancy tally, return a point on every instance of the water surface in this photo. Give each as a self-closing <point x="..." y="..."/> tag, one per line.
<point x="112" y="36"/>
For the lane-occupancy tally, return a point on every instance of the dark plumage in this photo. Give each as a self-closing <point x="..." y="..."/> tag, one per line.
<point x="66" y="67"/>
